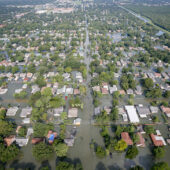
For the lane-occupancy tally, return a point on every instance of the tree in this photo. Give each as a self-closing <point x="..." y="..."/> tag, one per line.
<point x="121" y="145"/>
<point x="167" y="94"/>
<point x="158" y="152"/>
<point x="40" y="81"/>
<point x="41" y="130"/>
<point x="46" y="92"/>
<point x="160" y="69"/>
<point x="148" y="83"/>
<point x="132" y="152"/>
<point x="2" y="113"/>
<point x="160" y="166"/>
<point x="68" y="69"/>
<point x="137" y="167"/>
<point x="63" y="116"/>
<point x="155" y="119"/>
<point x="149" y="129"/>
<point x="100" y="152"/>
<point x="82" y="90"/>
<point x="22" y="131"/>
<point x="115" y="102"/>
<point x="56" y="101"/>
<point x="15" y="69"/>
<point x="60" y="149"/>
<point x="154" y="93"/>
<point x="114" y="114"/>
<point x="42" y="151"/>
<point x="5" y="128"/>
<point x="63" y="165"/>
<point x="8" y="153"/>
<point x="21" y="95"/>
<point x="135" y="137"/>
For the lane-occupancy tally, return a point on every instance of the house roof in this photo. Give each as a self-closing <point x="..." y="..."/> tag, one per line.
<point x="141" y="141"/>
<point x="73" y="112"/>
<point x="154" y="109"/>
<point x="69" y="141"/>
<point x="36" y="140"/>
<point x="26" y="111"/>
<point x="131" y="111"/>
<point x="143" y="111"/>
<point x="157" y="140"/>
<point x="104" y="91"/>
<point x="22" y="141"/>
<point x="12" y="111"/>
<point x="76" y="91"/>
<point x="9" y="140"/>
<point x="166" y="110"/>
<point x="125" y="136"/>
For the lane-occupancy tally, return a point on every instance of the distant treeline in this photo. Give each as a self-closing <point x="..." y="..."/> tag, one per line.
<point x="152" y="2"/>
<point x="160" y="15"/>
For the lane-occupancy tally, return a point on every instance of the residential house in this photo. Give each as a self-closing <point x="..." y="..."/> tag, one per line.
<point x="96" y="111"/>
<point x="21" y="141"/>
<point x="12" y="111"/>
<point x="157" y="140"/>
<point x="72" y="112"/>
<point x="77" y="121"/>
<point x="35" y="88"/>
<point x="25" y="112"/>
<point x="9" y="140"/>
<point x="154" y="109"/>
<point x="69" y="91"/>
<point x="138" y="90"/>
<point x="122" y="112"/>
<point x="131" y="111"/>
<point x="125" y="136"/>
<point x="30" y="131"/>
<point x="141" y="142"/>
<point x="36" y="140"/>
<point x="76" y="91"/>
<point x="140" y="129"/>
<point x="142" y="111"/>
<point x="18" y="91"/>
<point x="166" y="110"/>
<point x="130" y="91"/>
<point x="107" y="109"/>
<point x="79" y="77"/>
<point x="96" y="88"/>
<point x="26" y="121"/>
<point x="113" y="89"/>
<point x="3" y="91"/>
<point x="58" y="111"/>
<point x="61" y="90"/>
<point x="69" y="141"/>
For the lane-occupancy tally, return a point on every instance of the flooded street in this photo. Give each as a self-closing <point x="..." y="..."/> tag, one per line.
<point x="87" y="131"/>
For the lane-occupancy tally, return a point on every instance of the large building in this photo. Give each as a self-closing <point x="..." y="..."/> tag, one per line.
<point x="132" y="114"/>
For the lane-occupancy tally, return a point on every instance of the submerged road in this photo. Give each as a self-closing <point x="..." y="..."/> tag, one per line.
<point x="84" y="135"/>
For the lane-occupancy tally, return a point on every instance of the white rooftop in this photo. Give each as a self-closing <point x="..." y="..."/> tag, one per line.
<point x="132" y="114"/>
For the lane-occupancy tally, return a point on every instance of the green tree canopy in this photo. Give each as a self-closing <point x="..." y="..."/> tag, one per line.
<point x="42" y="151"/>
<point x="60" y="149"/>
<point x="121" y="145"/>
<point x="132" y="152"/>
<point x="160" y="166"/>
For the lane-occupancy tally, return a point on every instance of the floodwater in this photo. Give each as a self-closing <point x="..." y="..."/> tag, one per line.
<point x="85" y="133"/>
